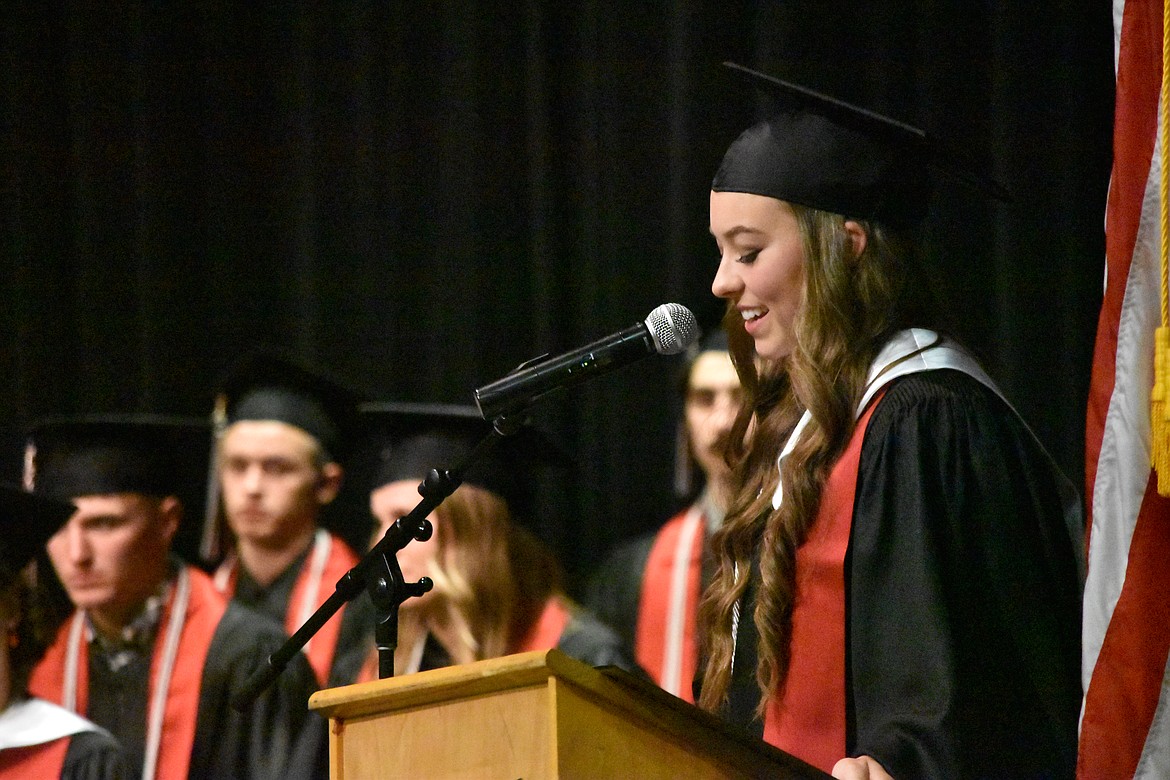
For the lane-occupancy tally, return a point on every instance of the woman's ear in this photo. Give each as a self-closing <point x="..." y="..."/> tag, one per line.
<point x="857" y="235"/>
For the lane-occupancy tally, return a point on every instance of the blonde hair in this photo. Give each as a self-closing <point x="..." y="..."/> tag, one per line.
<point x="491" y="576"/>
<point x="852" y="303"/>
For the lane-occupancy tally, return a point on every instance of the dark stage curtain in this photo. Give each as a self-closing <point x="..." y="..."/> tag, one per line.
<point x="420" y="196"/>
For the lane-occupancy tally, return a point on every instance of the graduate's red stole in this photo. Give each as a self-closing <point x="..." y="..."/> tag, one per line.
<point x="545" y="633"/>
<point x="808" y="720"/>
<point x="34" y="761"/>
<point x="204" y="612"/>
<point x="664" y="640"/>
<point x="328" y="560"/>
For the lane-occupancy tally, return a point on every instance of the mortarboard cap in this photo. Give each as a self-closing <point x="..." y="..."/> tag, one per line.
<point x="268" y="386"/>
<point x="27" y="521"/>
<point x="157" y="455"/>
<point x="827" y="154"/>
<point x="407" y="440"/>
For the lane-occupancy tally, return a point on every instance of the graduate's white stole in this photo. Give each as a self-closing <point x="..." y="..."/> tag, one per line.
<point x="36" y="721"/>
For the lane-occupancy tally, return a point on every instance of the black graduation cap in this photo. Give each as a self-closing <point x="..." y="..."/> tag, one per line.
<point x="27" y="520"/>
<point x="822" y="152"/>
<point x="153" y="454"/>
<point x="407" y="440"/>
<point x="270" y="386"/>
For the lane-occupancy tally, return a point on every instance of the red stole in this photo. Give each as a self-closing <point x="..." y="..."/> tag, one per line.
<point x="808" y="719"/>
<point x="670" y="592"/>
<point x="204" y="612"/>
<point x="44" y="760"/>
<point x="545" y="633"/>
<point x="317" y="585"/>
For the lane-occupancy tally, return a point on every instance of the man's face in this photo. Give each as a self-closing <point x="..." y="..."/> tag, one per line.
<point x="713" y="399"/>
<point x="112" y="554"/>
<point x="273" y="485"/>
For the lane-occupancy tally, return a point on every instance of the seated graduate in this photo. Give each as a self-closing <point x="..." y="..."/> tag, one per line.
<point x="152" y="652"/>
<point x="38" y="739"/>
<point x="648" y="589"/>
<point x="287" y="431"/>
<point x="497" y="588"/>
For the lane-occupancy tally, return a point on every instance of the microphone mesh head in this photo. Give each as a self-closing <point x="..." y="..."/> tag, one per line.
<point x="672" y="328"/>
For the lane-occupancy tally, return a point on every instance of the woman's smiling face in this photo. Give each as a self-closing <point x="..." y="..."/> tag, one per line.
<point x="761" y="266"/>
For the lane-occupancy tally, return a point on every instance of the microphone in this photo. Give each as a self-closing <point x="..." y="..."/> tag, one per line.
<point x="668" y="330"/>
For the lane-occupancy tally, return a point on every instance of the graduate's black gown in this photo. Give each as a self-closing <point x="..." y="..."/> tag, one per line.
<point x="272" y="600"/>
<point x="277" y="737"/>
<point x="962" y="594"/>
<point x="95" y="755"/>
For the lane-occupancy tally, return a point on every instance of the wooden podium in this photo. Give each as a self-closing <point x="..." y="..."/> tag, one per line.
<point x="535" y="716"/>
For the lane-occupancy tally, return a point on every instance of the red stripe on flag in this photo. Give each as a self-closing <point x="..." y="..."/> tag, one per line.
<point x="1127" y="680"/>
<point x="1125" y="685"/>
<point x="1135" y="125"/>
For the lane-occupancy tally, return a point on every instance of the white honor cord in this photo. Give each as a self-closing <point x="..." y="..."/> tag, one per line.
<point x="322" y="544"/>
<point x="734" y="619"/>
<point x="160" y="687"/>
<point x="223" y="575"/>
<point x="158" y="704"/>
<point x="72" y="649"/>
<point x="677" y="607"/>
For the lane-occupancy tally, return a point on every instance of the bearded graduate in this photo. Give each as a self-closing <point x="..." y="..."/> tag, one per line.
<point x="897" y="591"/>
<point x="151" y="651"/>
<point x="37" y="738"/>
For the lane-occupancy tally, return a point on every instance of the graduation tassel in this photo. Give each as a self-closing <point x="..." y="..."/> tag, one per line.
<point x="1160" y="393"/>
<point x="211" y="541"/>
<point x="1160" y="411"/>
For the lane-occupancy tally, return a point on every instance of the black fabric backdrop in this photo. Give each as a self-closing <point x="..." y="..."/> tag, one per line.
<point x="420" y="196"/>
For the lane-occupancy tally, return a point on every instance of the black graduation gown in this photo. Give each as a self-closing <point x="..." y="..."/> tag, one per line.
<point x="962" y="594"/>
<point x="277" y="737"/>
<point x="273" y="602"/>
<point x="95" y="755"/>
<point x="614" y="590"/>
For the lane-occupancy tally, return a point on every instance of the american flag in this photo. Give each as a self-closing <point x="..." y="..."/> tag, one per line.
<point x="1125" y="720"/>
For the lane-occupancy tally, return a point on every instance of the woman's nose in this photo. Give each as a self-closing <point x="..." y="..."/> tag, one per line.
<point x="726" y="282"/>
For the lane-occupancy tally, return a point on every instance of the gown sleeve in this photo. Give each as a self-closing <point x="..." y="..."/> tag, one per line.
<point x="962" y="591"/>
<point x="588" y="639"/>
<point x="277" y="737"/>
<point x="94" y="755"/>
<point x="614" y="589"/>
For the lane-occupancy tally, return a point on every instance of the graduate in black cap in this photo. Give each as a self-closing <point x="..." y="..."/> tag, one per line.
<point x="38" y="738"/>
<point x="649" y="588"/>
<point x="897" y="579"/>
<point x="153" y="652"/>
<point x="496" y="586"/>
<point x="288" y="427"/>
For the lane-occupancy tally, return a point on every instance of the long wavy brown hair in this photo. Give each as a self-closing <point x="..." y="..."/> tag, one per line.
<point x="852" y="304"/>
<point x="492" y="577"/>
